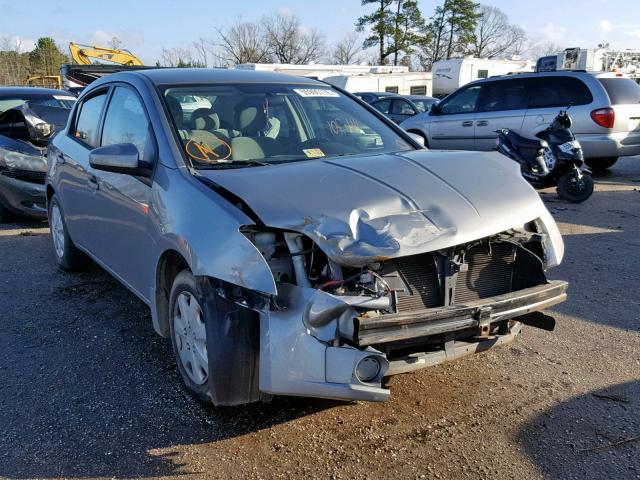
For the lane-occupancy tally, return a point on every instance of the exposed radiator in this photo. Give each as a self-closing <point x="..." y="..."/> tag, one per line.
<point x="489" y="272"/>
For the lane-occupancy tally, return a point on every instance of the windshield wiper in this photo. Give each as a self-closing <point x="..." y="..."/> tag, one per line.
<point x="233" y="164"/>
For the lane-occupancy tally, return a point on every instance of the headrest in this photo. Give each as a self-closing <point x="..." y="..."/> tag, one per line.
<point x="205" y="119"/>
<point x="250" y="118"/>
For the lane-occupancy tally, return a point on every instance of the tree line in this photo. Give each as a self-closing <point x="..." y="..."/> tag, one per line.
<point x="16" y="64"/>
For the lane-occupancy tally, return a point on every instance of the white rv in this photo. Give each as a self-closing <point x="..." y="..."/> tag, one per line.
<point x="409" y="83"/>
<point x="449" y="75"/>
<point x="321" y="71"/>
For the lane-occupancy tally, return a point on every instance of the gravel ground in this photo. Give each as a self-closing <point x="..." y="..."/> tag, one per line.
<point x="87" y="390"/>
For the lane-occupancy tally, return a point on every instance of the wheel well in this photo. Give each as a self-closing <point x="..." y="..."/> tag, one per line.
<point x="171" y="263"/>
<point x="50" y="192"/>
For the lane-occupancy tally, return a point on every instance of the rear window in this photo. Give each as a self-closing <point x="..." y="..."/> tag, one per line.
<point x="87" y="125"/>
<point x="557" y="92"/>
<point x="621" y="91"/>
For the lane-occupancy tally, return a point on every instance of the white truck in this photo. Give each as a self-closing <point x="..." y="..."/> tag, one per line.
<point x="408" y="83"/>
<point x="449" y="75"/>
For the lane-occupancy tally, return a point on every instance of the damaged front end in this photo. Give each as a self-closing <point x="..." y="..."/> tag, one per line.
<point x="339" y="325"/>
<point x="25" y="132"/>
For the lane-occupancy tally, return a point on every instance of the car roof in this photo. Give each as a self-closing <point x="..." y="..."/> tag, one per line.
<point x="32" y="91"/>
<point x="556" y="73"/>
<point x="173" y="76"/>
<point x="419" y="97"/>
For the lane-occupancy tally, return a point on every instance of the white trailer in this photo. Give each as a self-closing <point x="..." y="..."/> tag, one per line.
<point x="449" y="75"/>
<point x="321" y="71"/>
<point x="409" y="83"/>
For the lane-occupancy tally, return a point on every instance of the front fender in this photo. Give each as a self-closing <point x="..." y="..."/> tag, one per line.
<point x="204" y="228"/>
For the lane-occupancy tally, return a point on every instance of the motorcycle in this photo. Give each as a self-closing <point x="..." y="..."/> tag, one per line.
<point x="554" y="158"/>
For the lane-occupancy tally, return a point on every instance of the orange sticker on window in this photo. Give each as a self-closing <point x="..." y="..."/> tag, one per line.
<point x="203" y="152"/>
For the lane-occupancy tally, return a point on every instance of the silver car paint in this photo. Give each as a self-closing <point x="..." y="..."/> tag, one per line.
<point x="476" y="131"/>
<point x="354" y="208"/>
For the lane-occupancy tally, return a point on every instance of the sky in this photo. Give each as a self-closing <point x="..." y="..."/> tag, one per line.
<point x="146" y="26"/>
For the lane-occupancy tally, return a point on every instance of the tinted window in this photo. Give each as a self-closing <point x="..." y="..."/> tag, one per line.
<point x="503" y="95"/>
<point x="88" y="119"/>
<point x="62" y="100"/>
<point x="400" y="107"/>
<point x="621" y="90"/>
<point x="463" y="101"/>
<point x="126" y="121"/>
<point x="557" y="92"/>
<point x="383" y="106"/>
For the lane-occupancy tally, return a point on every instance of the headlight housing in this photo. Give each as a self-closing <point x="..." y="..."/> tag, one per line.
<point x="22" y="161"/>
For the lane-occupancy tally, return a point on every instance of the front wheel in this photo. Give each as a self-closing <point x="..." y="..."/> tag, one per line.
<point x="601" y="164"/>
<point x="215" y="342"/>
<point x="574" y="188"/>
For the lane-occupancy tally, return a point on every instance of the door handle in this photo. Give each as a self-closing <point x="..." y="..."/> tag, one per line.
<point x="482" y="123"/>
<point x="93" y="182"/>
<point x="467" y="123"/>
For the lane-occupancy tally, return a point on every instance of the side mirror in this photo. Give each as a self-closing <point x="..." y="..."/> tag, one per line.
<point x="119" y="158"/>
<point x="435" y="109"/>
<point x="417" y="138"/>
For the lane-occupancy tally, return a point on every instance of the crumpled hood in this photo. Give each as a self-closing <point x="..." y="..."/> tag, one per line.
<point x="366" y="208"/>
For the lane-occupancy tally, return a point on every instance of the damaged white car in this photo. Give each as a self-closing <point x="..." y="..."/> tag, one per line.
<point x="291" y="240"/>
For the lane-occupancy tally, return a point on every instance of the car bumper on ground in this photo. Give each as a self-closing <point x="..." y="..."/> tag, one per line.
<point x="26" y="198"/>
<point x="622" y="144"/>
<point x="294" y="362"/>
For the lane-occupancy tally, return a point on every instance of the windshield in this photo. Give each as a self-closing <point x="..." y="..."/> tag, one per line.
<point x="64" y="101"/>
<point x="253" y="124"/>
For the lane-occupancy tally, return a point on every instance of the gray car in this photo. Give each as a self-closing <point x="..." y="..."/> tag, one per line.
<point x="605" y="110"/>
<point x="292" y="240"/>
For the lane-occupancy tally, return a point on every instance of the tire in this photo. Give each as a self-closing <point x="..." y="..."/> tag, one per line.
<point x="601" y="164"/>
<point x="215" y="343"/>
<point x="572" y="190"/>
<point x="66" y="253"/>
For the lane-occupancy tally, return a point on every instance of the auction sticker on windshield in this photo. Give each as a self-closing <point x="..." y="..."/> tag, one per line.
<point x="313" y="152"/>
<point x="315" y="92"/>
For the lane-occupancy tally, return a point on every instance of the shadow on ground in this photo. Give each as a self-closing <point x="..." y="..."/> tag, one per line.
<point x="596" y="435"/>
<point x="87" y="388"/>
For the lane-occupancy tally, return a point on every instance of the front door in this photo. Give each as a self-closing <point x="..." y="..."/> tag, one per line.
<point x="120" y="212"/>
<point x="452" y="123"/>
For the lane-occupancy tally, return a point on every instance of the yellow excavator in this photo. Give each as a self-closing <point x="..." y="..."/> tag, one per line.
<point x="82" y="55"/>
<point x="107" y="60"/>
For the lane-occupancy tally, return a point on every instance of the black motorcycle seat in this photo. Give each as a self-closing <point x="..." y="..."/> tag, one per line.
<point x="524" y="141"/>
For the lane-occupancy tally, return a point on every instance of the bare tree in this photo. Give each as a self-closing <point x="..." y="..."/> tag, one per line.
<point x="539" y="49"/>
<point x="494" y="35"/>
<point x="289" y="42"/>
<point x="348" y="50"/>
<point x="179" y="57"/>
<point x="14" y="63"/>
<point x="115" y="43"/>
<point x="202" y="51"/>
<point x="242" y="42"/>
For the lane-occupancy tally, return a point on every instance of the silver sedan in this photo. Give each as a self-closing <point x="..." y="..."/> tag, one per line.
<point x="291" y="240"/>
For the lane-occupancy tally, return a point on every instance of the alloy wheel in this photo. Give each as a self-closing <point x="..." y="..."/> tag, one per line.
<point x="191" y="337"/>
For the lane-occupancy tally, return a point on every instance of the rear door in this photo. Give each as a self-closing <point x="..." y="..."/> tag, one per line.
<point x="452" y="124"/>
<point x="76" y="186"/>
<point x="502" y="104"/>
<point x="624" y="94"/>
<point x="120" y="211"/>
<point x="548" y="95"/>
